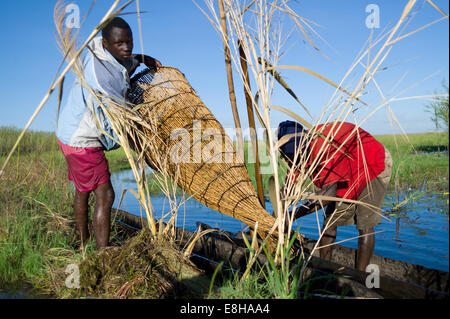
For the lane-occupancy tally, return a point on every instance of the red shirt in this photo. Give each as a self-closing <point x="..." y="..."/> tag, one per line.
<point x="352" y="174"/>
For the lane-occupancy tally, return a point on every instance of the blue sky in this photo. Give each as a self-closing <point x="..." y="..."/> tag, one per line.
<point x="178" y="34"/>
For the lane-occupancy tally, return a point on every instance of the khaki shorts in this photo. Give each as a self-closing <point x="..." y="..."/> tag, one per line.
<point x="341" y="214"/>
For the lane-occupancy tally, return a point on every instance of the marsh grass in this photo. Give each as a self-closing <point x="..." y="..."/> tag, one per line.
<point x="117" y="160"/>
<point x="32" y="141"/>
<point x="231" y="287"/>
<point x="421" y="162"/>
<point x="35" y="197"/>
<point x="419" y="142"/>
<point x="43" y="144"/>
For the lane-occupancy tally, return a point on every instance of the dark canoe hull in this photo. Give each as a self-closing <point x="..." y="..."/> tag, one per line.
<point x="432" y="279"/>
<point x="397" y="279"/>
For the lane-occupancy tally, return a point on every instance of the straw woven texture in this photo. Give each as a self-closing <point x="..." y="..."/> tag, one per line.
<point x="216" y="181"/>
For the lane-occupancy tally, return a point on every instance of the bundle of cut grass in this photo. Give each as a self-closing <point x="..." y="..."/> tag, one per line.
<point x="142" y="268"/>
<point x="202" y="158"/>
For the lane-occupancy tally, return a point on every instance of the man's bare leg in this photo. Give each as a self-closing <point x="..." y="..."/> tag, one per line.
<point x="366" y="244"/>
<point x="104" y="199"/>
<point x="328" y="238"/>
<point x="80" y="209"/>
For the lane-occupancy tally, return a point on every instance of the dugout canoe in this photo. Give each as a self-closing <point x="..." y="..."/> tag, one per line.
<point x="398" y="280"/>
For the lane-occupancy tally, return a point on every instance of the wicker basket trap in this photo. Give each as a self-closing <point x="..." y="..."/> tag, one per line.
<point x="202" y="158"/>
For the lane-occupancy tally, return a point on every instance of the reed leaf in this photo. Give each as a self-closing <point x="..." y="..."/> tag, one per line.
<point x="294" y="115"/>
<point x="198" y="235"/>
<point x="317" y="75"/>
<point x="283" y="83"/>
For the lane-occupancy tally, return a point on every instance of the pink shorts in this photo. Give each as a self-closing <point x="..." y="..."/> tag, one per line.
<point x="87" y="167"/>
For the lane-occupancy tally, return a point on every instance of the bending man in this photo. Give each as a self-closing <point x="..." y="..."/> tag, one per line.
<point x="351" y="164"/>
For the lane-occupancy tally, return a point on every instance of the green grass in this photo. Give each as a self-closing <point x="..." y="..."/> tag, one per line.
<point x="37" y="231"/>
<point x="271" y="280"/>
<point x="45" y="144"/>
<point x="418" y="161"/>
<point x="35" y="202"/>
<point x="31" y="142"/>
<point x="38" y="236"/>
<point x="421" y="161"/>
<point x="117" y="160"/>
<point x="423" y="142"/>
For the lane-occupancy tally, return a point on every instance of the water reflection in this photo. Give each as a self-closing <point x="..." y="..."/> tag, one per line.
<point x="417" y="234"/>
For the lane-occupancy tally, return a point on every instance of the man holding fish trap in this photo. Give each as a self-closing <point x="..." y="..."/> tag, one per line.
<point x="344" y="162"/>
<point x="83" y="130"/>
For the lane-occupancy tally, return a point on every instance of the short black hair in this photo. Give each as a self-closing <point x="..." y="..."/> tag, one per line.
<point x="114" y="23"/>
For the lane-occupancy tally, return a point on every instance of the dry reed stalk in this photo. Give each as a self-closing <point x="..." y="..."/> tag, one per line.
<point x="141" y="136"/>
<point x="124" y="129"/>
<point x="232" y="95"/>
<point x="251" y="123"/>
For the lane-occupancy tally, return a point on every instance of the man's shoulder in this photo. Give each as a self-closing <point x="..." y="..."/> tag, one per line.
<point x="336" y="126"/>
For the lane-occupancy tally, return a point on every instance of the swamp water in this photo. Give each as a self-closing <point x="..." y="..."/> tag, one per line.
<point x="418" y="234"/>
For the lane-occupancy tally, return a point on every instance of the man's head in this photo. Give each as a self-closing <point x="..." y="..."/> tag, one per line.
<point x="290" y="134"/>
<point x="118" y="39"/>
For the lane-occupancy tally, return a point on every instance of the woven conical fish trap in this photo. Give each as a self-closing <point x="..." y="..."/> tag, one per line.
<point x="202" y="158"/>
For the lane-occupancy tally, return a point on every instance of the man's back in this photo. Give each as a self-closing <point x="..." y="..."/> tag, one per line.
<point x="357" y="159"/>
